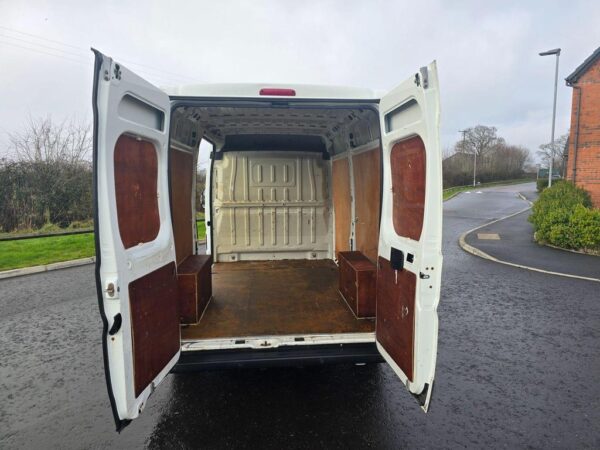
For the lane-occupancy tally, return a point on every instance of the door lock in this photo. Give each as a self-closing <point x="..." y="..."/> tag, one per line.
<point x="110" y="290"/>
<point x="404" y="311"/>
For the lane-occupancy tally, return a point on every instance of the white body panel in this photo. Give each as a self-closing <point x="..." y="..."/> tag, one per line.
<point x="418" y="119"/>
<point x="271" y="206"/>
<point x="118" y="265"/>
<point x="249" y="90"/>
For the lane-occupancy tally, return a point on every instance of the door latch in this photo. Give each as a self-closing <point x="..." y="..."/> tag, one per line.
<point x="112" y="288"/>
<point x="423" y="276"/>
<point x="396" y="259"/>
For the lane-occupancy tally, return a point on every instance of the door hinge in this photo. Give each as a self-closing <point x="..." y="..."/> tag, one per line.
<point x="424" y="77"/>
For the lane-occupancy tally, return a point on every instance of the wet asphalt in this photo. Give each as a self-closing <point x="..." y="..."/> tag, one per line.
<point x="518" y="366"/>
<point x="516" y="245"/>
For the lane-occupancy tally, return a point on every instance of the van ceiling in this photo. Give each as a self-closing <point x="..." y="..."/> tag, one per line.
<point x="339" y="128"/>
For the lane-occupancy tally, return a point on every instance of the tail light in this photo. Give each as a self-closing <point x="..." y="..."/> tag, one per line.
<point x="278" y="91"/>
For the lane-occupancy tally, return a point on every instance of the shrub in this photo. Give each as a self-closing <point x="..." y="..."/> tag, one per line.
<point x="563" y="216"/>
<point x="585" y="228"/>
<point x="542" y="183"/>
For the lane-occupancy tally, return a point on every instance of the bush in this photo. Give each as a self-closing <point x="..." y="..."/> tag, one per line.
<point x="563" y="216"/>
<point x="541" y="183"/>
<point x="35" y="193"/>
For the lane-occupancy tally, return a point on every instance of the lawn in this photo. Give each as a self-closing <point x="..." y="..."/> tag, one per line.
<point x="47" y="250"/>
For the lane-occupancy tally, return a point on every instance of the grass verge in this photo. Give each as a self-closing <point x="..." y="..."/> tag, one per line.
<point x="39" y="251"/>
<point x="451" y="192"/>
<point x="48" y="250"/>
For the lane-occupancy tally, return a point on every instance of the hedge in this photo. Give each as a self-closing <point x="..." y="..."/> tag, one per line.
<point x="563" y="216"/>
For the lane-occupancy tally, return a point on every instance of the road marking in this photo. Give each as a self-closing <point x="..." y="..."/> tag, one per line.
<point x="488" y="236"/>
<point x="475" y="251"/>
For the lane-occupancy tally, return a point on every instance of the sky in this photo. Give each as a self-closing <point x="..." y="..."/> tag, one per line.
<point x="487" y="53"/>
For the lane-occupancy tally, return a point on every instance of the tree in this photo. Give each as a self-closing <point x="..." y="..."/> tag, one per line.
<point x="559" y="148"/>
<point x="496" y="160"/>
<point x="200" y="185"/>
<point x="479" y="140"/>
<point x="42" y="139"/>
<point x="50" y="180"/>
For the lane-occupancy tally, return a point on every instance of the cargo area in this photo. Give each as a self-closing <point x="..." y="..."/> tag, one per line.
<point x="262" y="298"/>
<point x="287" y="190"/>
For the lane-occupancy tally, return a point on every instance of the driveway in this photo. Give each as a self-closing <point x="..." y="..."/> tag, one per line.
<point x="518" y="362"/>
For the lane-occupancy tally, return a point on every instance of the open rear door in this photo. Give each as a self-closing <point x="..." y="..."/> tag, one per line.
<point x="409" y="256"/>
<point x="135" y="255"/>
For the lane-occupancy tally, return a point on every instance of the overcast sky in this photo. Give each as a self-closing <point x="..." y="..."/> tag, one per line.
<point x="487" y="52"/>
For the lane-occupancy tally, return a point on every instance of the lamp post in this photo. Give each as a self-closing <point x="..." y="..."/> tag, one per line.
<point x="556" y="52"/>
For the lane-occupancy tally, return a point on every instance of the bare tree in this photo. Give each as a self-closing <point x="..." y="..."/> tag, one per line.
<point x="496" y="160"/>
<point x="479" y="140"/>
<point x="50" y="181"/>
<point x="559" y="146"/>
<point x="42" y="139"/>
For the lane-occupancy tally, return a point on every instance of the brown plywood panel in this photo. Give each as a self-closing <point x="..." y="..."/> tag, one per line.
<point x="155" y="323"/>
<point x="195" y="287"/>
<point x="182" y="179"/>
<point x="407" y="161"/>
<point x="367" y="200"/>
<point x="258" y="298"/>
<point x="341" y="203"/>
<point x="395" y="327"/>
<point x="136" y="175"/>
<point x="357" y="283"/>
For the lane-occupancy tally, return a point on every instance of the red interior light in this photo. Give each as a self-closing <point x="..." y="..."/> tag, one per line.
<point x="278" y="91"/>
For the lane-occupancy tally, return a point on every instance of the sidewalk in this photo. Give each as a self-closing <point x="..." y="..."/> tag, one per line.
<point x="511" y="240"/>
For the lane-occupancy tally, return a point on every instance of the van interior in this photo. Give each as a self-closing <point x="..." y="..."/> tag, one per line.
<point x="289" y="187"/>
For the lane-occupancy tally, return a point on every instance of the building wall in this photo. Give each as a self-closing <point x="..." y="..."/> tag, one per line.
<point x="587" y="137"/>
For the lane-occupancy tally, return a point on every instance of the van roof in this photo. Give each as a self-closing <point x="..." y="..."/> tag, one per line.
<point x="251" y="90"/>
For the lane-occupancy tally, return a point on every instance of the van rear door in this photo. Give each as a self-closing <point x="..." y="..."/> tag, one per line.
<point x="135" y="255"/>
<point x="409" y="255"/>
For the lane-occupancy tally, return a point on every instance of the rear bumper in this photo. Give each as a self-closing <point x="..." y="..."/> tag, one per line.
<point x="305" y="355"/>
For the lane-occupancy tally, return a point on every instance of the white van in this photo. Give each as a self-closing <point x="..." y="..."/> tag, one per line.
<point x="299" y="176"/>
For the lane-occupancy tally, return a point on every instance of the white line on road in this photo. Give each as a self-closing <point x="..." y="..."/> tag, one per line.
<point x="475" y="251"/>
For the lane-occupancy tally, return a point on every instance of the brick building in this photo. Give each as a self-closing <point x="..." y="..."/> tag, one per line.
<point x="583" y="161"/>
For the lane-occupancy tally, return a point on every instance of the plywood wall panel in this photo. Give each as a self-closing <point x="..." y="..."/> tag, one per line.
<point x="341" y="204"/>
<point x="367" y="199"/>
<point x="182" y="178"/>
<point x="155" y="323"/>
<point x="136" y="177"/>
<point x="407" y="160"/>
<point x="395" y="323"/>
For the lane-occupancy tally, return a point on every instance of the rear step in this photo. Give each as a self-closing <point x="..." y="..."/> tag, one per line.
<point x="191" y="361"/>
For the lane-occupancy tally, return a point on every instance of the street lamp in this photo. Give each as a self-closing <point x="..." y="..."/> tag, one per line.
<point x="556" y="52"/>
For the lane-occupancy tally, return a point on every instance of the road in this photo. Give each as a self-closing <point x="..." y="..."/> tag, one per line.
<point x="518" y="366"/>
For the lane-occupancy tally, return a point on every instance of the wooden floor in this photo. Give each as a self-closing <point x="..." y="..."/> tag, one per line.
<point x="275" y="297"/>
